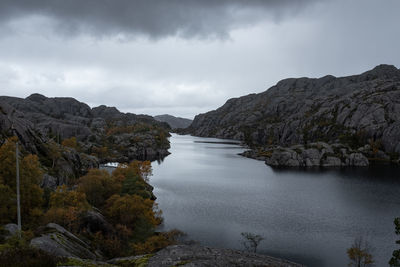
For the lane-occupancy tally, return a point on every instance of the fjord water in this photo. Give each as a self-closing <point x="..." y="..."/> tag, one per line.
<point x="309" y="216"/>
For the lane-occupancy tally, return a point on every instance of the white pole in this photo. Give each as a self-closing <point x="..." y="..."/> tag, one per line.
<point x="18" y="194"/>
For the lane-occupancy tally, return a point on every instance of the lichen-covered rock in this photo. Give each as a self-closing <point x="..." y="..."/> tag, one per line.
<point x="195" y="255"/>
<point x="284" y="157"/>
<point x="58" y="241"/>
<point x="94" y="221"/>
<point x="49" y="182"/>
<point x="77" y="262"/>
<point x="356" y="159"/>
<point x="140" y="261"/>
<point x="9" y="230"/>
<point x="331" y="162"/>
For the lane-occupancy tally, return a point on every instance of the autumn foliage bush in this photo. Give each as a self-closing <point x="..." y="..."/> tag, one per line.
<point x="70" y="142"/>
<point x="124" y="198"/>
<point x="66" y="207"/>
<point x="31" y="193"/>
<point x="98" y="186"/>
<point x="16" y="252"/>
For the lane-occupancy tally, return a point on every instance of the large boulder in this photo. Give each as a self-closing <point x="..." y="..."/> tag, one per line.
<point x="8" y="231"/>
<point x="93" y="222"/>
<point x="49" y="182"/>
<point x="356" y="159"/>
<point x="59" y="242"/>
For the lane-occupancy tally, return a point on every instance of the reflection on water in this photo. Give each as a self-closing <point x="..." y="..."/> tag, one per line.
<point x="310" y="216"/>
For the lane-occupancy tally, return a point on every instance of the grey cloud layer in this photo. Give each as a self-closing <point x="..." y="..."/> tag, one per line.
<point x="153" y="18"/>
<point x="180" y="76"/>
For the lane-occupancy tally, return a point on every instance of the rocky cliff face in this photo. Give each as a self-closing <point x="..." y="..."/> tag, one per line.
<point x="354" y="111"/>
<point x="174" y="122"/>
<point x="103" y="133"/>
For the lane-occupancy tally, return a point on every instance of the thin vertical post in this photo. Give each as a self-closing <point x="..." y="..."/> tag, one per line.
<point x="18" y="194"/>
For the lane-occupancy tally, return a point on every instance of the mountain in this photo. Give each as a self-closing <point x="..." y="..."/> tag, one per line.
<point x="354" y="111"/>
<point x="174" y="122"/>
<point x="99" y="134"/>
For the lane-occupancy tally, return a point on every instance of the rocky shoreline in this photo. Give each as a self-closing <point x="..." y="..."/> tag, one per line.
<point x="319" y="154"/>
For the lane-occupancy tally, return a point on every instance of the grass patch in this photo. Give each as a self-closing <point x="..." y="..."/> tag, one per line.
<point x="140" y="262"/>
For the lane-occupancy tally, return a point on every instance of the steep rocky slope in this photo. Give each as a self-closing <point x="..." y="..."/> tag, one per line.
<point x="354" y="111"/>
<point x="102" y="133"/>
<point x="174" y="122"/>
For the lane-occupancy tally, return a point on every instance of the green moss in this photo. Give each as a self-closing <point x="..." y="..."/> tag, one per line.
<point x="140" y="262"/>
<point x="316" y="146"/>
<point x="264" y="153"/>
<point x="354" y="140"/>
<point x="18" y="255"/>
<point x="80" y="263"/>
<point x="181" y="263"/>
<point x="379" y="160"/>
<point x="394" y="156"/>
<point x="298" y="150"/>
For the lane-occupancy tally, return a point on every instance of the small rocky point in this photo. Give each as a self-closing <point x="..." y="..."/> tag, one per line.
<point x="317" y="154"/>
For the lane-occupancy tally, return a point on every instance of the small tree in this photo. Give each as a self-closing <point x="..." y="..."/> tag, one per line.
<point x="70" y="142"/>
<point x="54" y="152"/>
<point x="98" y="186"/>
<point x="395" y="260"/>
<point x="360" y="253"/>
<point x="251" y="241"/>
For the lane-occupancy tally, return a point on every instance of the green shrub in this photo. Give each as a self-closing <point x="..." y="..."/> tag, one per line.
<point x="22" y="255"/>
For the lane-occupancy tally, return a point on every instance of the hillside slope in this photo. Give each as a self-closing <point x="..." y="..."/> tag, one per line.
<point x="174" y="122"/>
<point x="102" y="134"/>
<point x="354" y="111"/>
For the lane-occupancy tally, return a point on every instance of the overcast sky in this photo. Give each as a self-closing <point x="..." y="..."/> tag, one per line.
<point x="185" y="57"/>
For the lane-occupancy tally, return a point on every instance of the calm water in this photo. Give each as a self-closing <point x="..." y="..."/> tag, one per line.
<point x="212" y="194"/>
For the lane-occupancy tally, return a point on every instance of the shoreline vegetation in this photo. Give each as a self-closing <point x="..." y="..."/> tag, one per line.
<point x="111" y="215"/>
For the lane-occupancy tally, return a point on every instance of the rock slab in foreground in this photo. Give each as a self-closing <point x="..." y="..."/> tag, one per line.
<point x="195" y="255"/>
<point x="59" y="242"/>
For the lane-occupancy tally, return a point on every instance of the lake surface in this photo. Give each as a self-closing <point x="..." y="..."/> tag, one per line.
<point x="309" y="216"/>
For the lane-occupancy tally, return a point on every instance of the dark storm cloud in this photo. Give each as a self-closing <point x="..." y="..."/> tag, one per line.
<point x="153" y="18"/>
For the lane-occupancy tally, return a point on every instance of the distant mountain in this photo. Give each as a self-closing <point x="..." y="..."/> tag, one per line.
<point x="355" y="111"/>
<point x="174" y="122"/>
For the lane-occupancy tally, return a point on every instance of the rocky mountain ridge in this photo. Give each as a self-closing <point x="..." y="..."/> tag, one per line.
<point x="174" y="122"/>
<point x="102" y="134"/>
<point x="353" y="111"/>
